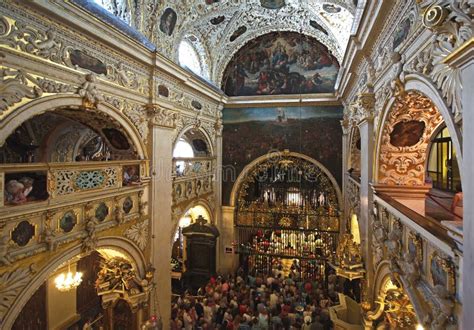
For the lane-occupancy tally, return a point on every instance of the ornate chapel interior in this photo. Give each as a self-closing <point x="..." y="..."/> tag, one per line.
<point x="152" y="148"/>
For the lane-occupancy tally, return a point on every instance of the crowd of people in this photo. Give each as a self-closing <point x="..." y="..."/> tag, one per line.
<point x="256" y="302"/>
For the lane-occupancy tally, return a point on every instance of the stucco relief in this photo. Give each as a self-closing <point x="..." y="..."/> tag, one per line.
<point x="403" y="162"/>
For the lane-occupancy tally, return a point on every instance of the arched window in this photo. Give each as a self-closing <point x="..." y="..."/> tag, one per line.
<point x="189" y="58"/>
<point x="183" y="150"/>
<point x="442" y="164"/>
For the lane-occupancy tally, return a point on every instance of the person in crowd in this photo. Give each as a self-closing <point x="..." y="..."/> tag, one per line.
<point x="457" y="205"/>
<point x="256" y="302"/>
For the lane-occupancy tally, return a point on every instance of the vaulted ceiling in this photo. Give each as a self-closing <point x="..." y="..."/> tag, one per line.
<point x="219" y="28"/>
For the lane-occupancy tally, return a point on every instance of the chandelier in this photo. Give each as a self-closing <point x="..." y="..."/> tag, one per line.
<point x="68" y="281"/>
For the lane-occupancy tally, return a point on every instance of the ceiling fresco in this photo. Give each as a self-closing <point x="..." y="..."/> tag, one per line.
<point x="219" y="28"/>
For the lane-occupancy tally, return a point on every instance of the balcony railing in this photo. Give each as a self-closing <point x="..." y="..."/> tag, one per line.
<point x="192" y="178"/>
<point x="28" y="186"/>
<point x="422" y="252"/>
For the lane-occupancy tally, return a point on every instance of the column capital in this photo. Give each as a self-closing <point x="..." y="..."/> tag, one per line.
<point x="346" y="125"/>
<point x="366" y="106"/>
<point x="160" y="116"/>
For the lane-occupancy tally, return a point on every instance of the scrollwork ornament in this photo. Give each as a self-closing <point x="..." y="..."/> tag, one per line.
<point x="16" y="85"/>
<point x="163" y="117"/>
<point x="452" y="24"/>
<point x="434" y="16"/>
<point x="11" y="284"/>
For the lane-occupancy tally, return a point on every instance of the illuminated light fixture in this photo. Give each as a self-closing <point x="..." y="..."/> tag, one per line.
<point x="65" y="282"/>
<point x="419" y="327"/>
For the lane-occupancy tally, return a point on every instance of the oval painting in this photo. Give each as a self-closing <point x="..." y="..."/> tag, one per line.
<point x="407" y="133"/>
<point x="168" y="21"/>
<point x="272" y="4"/>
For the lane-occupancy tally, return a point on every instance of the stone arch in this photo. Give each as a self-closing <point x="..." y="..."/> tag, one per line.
<point x="384" y="275"/>
<point x="202" y="131"/>
<point x="245" y="172"/>
<point x="420" y="84"/>
<point x="120" y="244"/>
<point x="53" y="102"/>
<point x="398" y="161"/>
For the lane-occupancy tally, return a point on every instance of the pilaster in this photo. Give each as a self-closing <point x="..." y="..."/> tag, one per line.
<point x="162" y="122"/>
<point x="463" y="60"/>
<point x="366" y="109"/>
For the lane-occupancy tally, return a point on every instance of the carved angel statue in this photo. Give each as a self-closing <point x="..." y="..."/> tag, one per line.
<point x="393" y="242"/>
<point x="90" y="242"/>
<point x="89" y="92"/>
<point x="411" y="268"/>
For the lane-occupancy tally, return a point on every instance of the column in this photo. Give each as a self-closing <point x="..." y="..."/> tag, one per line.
<point x="229" y="262"/>
<point x="162" y="132"/>
<point x="366" y="107"/>
<point x="218" y="192"/>
<point x="463" y="59"/>
<point x="345" y="159"/>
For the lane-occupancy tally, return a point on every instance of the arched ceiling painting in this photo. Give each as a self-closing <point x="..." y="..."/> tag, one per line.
<point x="217" y="29"/>
<point x="281" y="63"/>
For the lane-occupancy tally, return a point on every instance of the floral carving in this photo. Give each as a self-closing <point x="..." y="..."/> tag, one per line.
<point x="139" y="234"/>
<point x="11" y="284"/>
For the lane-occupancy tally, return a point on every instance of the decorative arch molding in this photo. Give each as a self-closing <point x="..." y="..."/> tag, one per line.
<point x="421" y="84"/>
<point x="383" y="275"/>
<point x="181" y="211"/>
<point x="381" y="138"/>
<point x="247" y="170"/>
<point x="53" y="102"/>
<point x="121" y="244"/>
<point x="418" y="83"/>
<point x="201" y="129"/>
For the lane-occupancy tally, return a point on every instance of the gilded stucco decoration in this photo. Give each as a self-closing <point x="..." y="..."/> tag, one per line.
<point x="138" y="233"/>
<point x="11" y="284"/>
<point x="118" y="279"/>
<point x="16" y="85"/>
<point x="56" y="47"/>
<point x="402" y="157"/>
<point x="429" y="281"/>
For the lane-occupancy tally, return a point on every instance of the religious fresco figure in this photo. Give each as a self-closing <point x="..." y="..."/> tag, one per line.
<point x="280" y="63"/>
<point x="168" y="21"/>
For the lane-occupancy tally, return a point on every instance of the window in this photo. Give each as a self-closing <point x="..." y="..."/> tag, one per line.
<point x="189" y="58"/>
<point x="442" y="163"/>
<point x="183" y="150"/>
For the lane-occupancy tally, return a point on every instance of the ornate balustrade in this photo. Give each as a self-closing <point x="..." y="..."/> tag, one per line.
<point x="191" y="167"/>
<point x="423" y="255"/>
<point x="353" y="194"/>
<point x="83" y="221"/>
<point x="192" y="178"/>
<point x="27" y="186"/>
